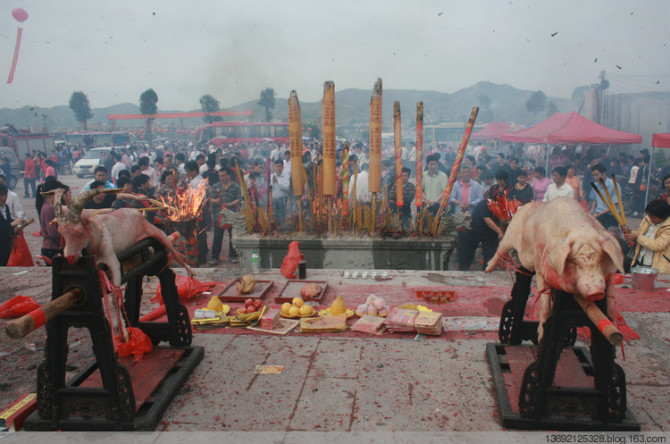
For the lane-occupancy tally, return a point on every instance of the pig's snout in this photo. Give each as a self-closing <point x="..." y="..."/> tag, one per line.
<point x="72" y="259"/>
<point x="592" y="288"/>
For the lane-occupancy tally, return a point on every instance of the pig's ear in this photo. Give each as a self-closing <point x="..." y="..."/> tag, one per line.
<point x="558" y="256"/>
<point x="612" y="249"/>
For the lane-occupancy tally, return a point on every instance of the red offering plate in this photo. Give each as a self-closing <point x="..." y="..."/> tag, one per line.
<point x="292" y="287"/>
<point x="228" y="292"/>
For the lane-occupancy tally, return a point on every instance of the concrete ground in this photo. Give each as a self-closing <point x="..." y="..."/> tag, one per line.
<point x="341" y="389"/>
<point x="355" y="389"/>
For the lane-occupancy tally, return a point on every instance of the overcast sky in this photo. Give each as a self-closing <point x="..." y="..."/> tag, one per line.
<point x="114" y="50"/>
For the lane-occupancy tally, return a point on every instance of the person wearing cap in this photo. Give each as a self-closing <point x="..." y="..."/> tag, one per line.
<point x="652" y="238"/>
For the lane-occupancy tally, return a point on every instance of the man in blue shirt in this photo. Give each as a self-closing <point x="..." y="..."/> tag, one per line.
<point x="598" y="207"/>
<point x="466" y="193"/>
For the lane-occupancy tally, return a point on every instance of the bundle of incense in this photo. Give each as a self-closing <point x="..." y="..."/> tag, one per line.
<point x="419" y="157"/>
<point x="397" y="138"/>
<point x="618" y="196"/>
<point x="502" y="208"/>
<point x="607" y="200"/>
<point x="455" y="169"/>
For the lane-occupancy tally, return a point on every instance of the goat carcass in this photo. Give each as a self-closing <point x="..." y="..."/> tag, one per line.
<point x="106" y="233"/>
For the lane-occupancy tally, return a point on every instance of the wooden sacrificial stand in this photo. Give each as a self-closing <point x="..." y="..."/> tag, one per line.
<point x="555" y="385"/>
<point x="112" y="393"/>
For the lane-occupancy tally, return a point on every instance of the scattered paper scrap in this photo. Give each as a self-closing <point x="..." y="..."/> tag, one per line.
<point x="269" y="369"/>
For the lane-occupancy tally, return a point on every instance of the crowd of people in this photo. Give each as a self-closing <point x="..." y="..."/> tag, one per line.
<point x="146" y="173"/>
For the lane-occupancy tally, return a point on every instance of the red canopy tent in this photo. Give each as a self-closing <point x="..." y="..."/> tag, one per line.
<point x="491" y="131"/>
<point x="570" y="128"/>
<point x="661" y="140"/>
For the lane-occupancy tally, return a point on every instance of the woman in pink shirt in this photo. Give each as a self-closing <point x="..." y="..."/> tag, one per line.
<point x="50" y="170"/>
<point x="541" y="183"/>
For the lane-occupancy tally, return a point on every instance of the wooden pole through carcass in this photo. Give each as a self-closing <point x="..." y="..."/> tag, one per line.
<point x="602" y="322"/>
<point x="38" y="317"/>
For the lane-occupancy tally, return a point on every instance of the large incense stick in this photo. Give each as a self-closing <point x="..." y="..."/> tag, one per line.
<point x="295" y="138"/>
<point x="345" y="185"/>
<point x="618" y="196"/>
<point x="248" y="212"/>
<point x="397" y="138"/>
<point x="608" y="203"/>
<point x="455" y="169"/>
<point x="328" y="123"/>
<point x="419" y="157"/>
<point x="375" y="178"/>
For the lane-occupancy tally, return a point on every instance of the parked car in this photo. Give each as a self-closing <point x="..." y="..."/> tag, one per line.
<point x="93" y="158"/>
<point x="6" y="152"/>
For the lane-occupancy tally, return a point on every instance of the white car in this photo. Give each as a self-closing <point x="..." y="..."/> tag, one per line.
<point x="93" y="158"/>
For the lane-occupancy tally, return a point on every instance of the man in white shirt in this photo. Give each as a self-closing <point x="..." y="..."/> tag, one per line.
<point x="280" y="182"/>
<point x="13" y="202"/>
<point x="118" y="166"/>
<point x="559" y="188"/>
<point x="146" y="169"/>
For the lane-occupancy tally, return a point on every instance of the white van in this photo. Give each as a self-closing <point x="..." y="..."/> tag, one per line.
<point x="93" y="158"/>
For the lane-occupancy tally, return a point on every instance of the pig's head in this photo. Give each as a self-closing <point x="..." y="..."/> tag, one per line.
<point x="584" y="264"/>
<point x="72" y="225"/>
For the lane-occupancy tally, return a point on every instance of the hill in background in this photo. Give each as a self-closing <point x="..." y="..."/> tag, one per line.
<point x="496" y="102"/>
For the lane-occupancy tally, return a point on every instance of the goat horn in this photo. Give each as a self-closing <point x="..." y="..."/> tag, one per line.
<point x="58" y="207"/>
<point x="77" y="204"/>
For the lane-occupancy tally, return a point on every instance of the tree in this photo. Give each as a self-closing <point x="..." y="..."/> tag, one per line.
<point x="267" y="101"/>
<point x="148" y="101"/>
<point x="551" y="109"/>
<point x="210" y="105"/>
<point x="536" y="102"/>
<point x="82" y="108"/>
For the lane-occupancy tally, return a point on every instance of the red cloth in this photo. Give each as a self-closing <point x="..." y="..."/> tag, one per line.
<point x="17" y="307"/>
<point x="20" y="255"/>
<point x="291" y="261"/>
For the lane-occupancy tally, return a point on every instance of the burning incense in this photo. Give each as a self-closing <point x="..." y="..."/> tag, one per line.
<point x="419" y="156"/>
<point x="295" y="137"/>
<point x="397" y="138"/>
<point x="345" y="181"/>
<point x="375" y="178"/>
<point x="328" y="109"/>
<point x="618" y="195"/>
<point x="248" y="212"/>
<point x="607" y="200"/>
<point x="453" y="176"/>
